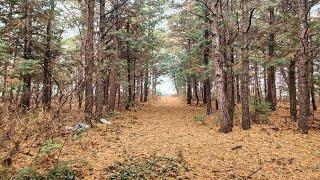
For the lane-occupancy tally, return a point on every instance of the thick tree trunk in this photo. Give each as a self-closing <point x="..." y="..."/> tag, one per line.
<point x="89" y="57"/>
<point x="292" y="90"/>
<point x="219" y="65"/>
<point x="100" y="59"/>
<point x="303" y="69"/>
<point x="271" y="77"/>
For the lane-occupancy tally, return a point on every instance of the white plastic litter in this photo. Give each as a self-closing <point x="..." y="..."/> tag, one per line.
<point x="104" y="121"/>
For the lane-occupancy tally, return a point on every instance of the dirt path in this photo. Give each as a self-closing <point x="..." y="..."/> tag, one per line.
<point x="167" y="128"/>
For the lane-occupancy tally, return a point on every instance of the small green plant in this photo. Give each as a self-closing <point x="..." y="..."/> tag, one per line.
<point x="49" y="146"/>
<point x="200" y="118"/>
<point x="27" y="173"/>
<point x="59" y="171"/>
<point x="153" y="167"/>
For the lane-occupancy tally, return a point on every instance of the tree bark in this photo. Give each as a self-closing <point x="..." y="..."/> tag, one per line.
<point x="303" y="73"/>
<point x="219" y="65"/>
<point x="271" y="77"/>
<point x="114" y="61"/>
<point x="292" y="90"/>
<point x="100" y="59"/>
<point x="245" y="93"/>
<point x="46" y="96"/>
<point x="26" y="78"/>
<point x="89" y="57"/>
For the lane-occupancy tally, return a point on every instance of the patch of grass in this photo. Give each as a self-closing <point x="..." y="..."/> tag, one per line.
<point x="199" y="118"/>
<point x="49" y="146"/>
<point x="316" y="153"/>
<point x="60" y="171"/>
<point x="151" y="167"/>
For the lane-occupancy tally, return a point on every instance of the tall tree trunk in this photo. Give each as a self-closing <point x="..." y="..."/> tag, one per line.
<point x="303" y="69"/>
<point x="292" y="90"/>
<point x="271" y="75"/>
<point x="129" y="69"/>
<point x="26" y="78"/>
<point x="206" y="83"/>
<point x="100" y="59"/>
<point x="196" y="89"/>
<point x="312" y="88"/>
<point x="223" y="103"/>
<point x="46" y="96"/>
<point x="114" y="61"/>
<point x="89" y="54"/>
<point x="189" y="90"/>
<point x="146" y="84"/>
<point x="245" y="93"/>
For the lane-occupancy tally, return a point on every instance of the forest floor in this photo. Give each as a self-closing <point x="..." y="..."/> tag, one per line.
<point x="188" y="144"/>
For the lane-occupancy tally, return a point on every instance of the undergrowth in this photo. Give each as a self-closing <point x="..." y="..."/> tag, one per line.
<point x="153" y="167"/>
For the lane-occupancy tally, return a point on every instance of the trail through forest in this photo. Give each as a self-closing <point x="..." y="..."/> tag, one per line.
<point x="167" y="128"/>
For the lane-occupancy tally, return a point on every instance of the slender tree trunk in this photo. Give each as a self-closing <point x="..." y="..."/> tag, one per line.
<point x="271" y="77"/>
<point x="26" y="78"/>
<point x="206" y="83"/>
<point x="114" y="61"/>
<point x="312" y="88"/>
<point x="129" y="70"/>
<point x="100" y="59"/>
<point x="46" y="96"/>
<point x="146" y="84"/>
<point x="303" y="69"/>
<point x="245" y="93"/>
<point x="89" y="55"/>
<point x="292" y="90"/>
<point x="196" y="89"/>
<point x="189" y="90"/>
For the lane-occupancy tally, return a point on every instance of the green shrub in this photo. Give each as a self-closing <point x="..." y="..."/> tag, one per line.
<point x="260" y="110"/>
